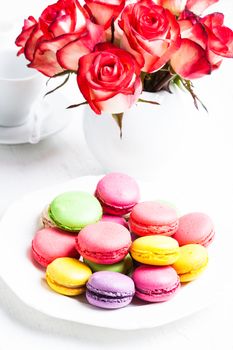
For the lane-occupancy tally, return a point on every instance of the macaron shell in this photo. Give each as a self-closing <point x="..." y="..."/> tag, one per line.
<point x="74" y="210"/>
<point x="155" y="284"/>
<point x="195" y="228"/>
<point x="118" y="193"/>
<point x="67" y="273"/>
<point x="155" y="250"/>
<point x="192" y="261"/>
<point x="103" y="242"/>
<point x="124" y="266"/>
<point x="51" y="243"/>
<point x="153" y="217"/>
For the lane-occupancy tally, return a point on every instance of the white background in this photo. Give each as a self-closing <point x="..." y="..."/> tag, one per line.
<point x="24" y="168"/>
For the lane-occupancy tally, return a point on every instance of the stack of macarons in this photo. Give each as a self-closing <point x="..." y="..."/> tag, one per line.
<point x="113" y="247"/>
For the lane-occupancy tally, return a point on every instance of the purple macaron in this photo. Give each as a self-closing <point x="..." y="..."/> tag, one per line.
<point x="109" y="290"/>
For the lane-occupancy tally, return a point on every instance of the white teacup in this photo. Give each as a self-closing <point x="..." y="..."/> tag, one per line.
<point x="20" y="87"/>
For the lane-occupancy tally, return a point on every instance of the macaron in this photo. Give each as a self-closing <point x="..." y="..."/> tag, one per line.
<point x="153" y="218"/>
<point x="118" y="193"/>
<point x="113" y="218"/>
<point x="155" y="250"/>
<point x="192" y="262"/>
<point x="195" y="228"/>
<point x="103" y="242"/>
<point x="49" y="244"/>
<point x="124" y="266"/>
<point x="109" y="290"/>
<point x="68" y="276"/>
<point x="45" y="219"/>
<point x="155" y="283"/>
<point x="74" y="210"/>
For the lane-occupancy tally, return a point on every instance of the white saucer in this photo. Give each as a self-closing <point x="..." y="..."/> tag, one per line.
<point x="51" y="116"/>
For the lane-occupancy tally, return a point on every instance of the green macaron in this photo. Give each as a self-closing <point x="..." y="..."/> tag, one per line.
<point x="124" y="266"/>
<point x="71" y="211"/>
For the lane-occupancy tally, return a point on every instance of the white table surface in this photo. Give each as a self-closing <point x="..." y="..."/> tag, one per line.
<point x="25" y="168"/>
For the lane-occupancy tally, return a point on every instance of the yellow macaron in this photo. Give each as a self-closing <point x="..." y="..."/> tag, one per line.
<point x="192" y="262"/>
<point x="155" y="250"/>
<point x="68" y="276"/>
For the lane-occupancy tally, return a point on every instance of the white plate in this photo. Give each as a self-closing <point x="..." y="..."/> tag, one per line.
<point x="53" y="117"/>
<point x="26" y="279"/>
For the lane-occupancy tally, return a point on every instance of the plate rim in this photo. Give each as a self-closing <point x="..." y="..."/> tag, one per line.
<point x="133" y="326"/>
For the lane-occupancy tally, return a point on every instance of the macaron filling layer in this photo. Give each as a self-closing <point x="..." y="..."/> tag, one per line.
<point x="114" y="297"/>
<point x="59" y="224"/>
<point x="103" y="256"/>
<point x="152" y="255"/>
<point x="168" y="229"/>
<point x="158" y="292"/>
<point x="193" y="274"/>
<point x="208" y="239"/>
<point x="44" y="262"/>
<point x="65" y="288"/>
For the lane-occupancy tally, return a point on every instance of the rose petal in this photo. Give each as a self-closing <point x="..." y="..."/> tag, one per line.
<point x="28" y="27"/>
<point x="69" y="55"/>
<point x="45" y="59"/>
<point x="199" y="6"/>
<point x="190" y="60"/>
<point x="175" y="6"/>
<point x="105" y="11"/>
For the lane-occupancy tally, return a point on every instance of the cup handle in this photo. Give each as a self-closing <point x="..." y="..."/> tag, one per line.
<point x="38" y="114"/>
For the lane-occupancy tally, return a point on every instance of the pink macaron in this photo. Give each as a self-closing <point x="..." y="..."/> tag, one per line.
<point x="195" y="228"/>
<point x="155" y="283"/>
<point x="103" y="242"/>
<point x="113" y="218"/>
<point x="152" y="217"/>
<point x="117" y="193"/>
<point x="51" y="243"/>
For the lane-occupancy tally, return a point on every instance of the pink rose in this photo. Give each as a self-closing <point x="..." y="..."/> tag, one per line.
<point x="205" y="41"/>
<point x="104" y="12"/>
<point x="150" y="32"/>
<point x="109" y="79"/>
<point x="61" y="36"/>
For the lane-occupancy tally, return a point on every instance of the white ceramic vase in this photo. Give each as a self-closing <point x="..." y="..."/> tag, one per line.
<point x="156" y="139"/>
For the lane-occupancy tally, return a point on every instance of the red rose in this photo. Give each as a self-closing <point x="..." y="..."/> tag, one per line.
<point x="104" y="11"/>
<point x="151" y="34"/>
<point x="61" y="36"/>
<point x="220" y="38"/>
<point x="205" y="41"/>
<point x="109" y="79"/>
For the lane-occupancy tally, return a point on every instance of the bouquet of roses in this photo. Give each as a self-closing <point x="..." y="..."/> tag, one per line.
<point x="118" y="48"/>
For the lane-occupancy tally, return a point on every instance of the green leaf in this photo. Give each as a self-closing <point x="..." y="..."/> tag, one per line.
<point x="189" y="87"/>
<point x="59" y="86"/>
<point x="118" y="118"/>
<point x="64" y="72"/>
<point x="147" y="101"/>
<point x="77" y="105"/>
